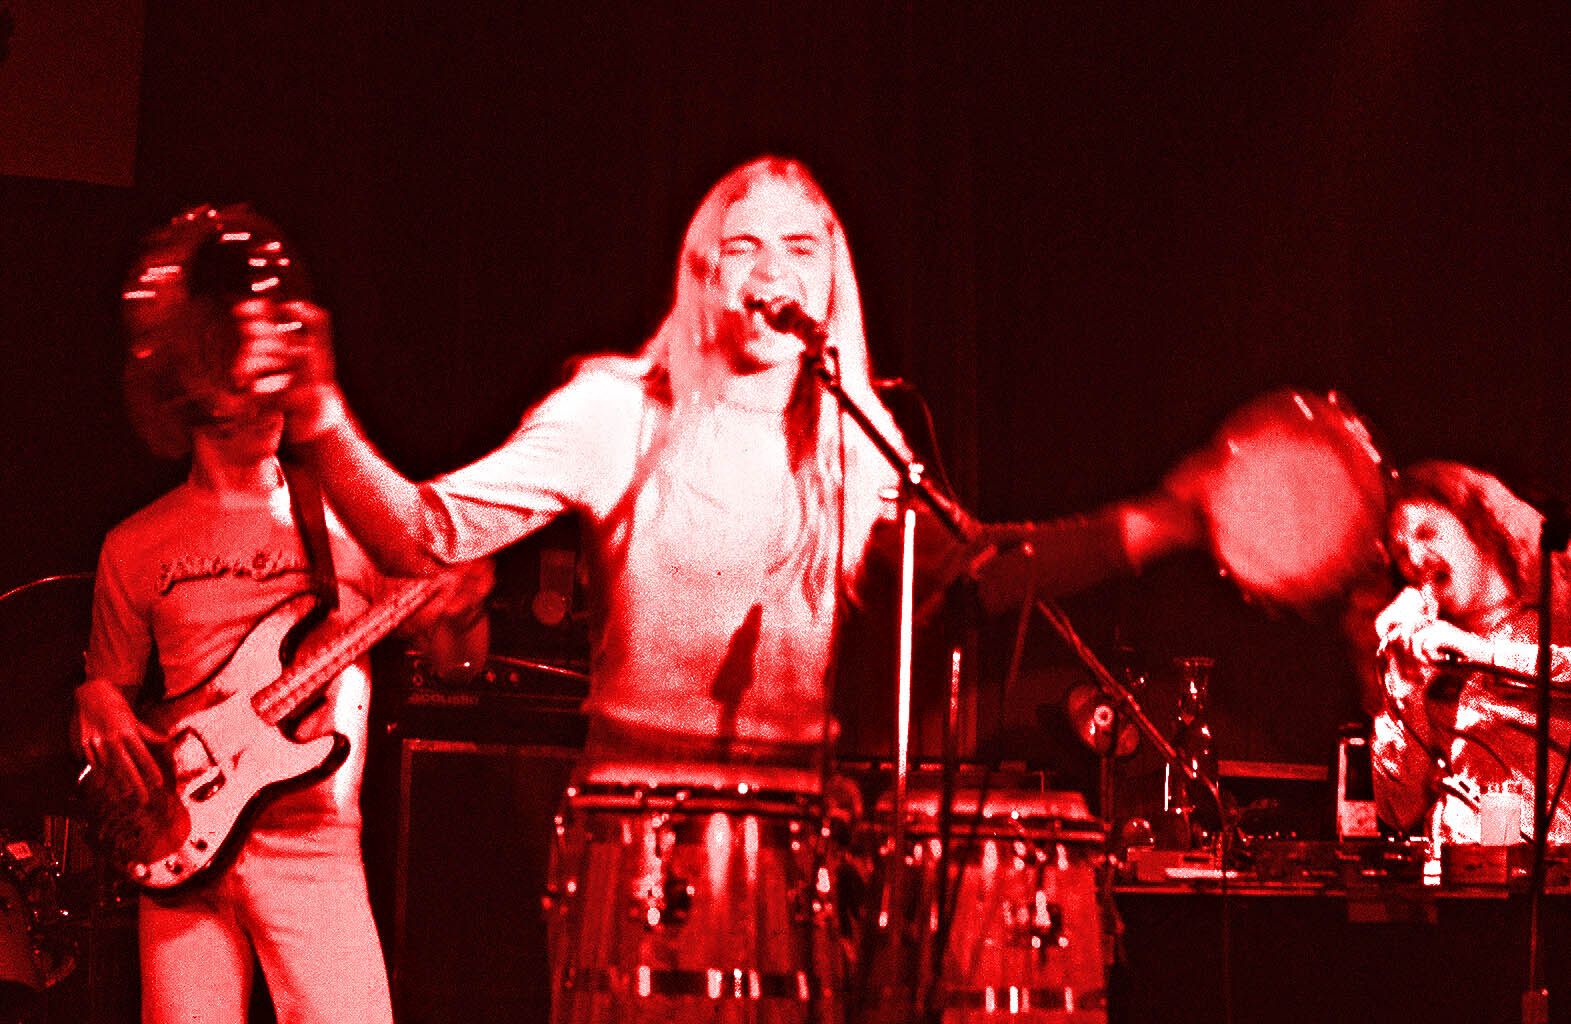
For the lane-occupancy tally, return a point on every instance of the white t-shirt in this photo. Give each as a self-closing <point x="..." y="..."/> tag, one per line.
<point x="189" y="576"/>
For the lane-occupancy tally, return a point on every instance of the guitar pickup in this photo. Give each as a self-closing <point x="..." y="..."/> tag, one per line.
<point x="196" y="772"/>
<point x="205" y="786"/>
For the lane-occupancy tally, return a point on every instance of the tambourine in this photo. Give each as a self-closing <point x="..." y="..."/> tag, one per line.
<point x="1294" y="490"/>
<point x="181" y="338"/>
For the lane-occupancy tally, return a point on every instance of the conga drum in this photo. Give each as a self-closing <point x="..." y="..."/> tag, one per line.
<point x="708" y="901"/>
<point x="1020" y="931"/>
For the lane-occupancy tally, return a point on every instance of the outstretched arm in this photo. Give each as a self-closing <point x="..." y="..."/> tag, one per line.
<point x="290" y="364"/>
<point x="1045" y="560"/>
<point x="383" y="509"/>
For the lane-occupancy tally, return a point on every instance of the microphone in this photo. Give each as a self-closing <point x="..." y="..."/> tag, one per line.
<point x="1410" y="608"/>
<point x="786" y="316"/>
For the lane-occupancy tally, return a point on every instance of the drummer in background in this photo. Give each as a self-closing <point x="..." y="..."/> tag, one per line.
<point x="707" y="470"/>
<point x="1468" y="549"/>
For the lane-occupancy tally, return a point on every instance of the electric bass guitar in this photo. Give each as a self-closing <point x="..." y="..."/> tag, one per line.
<point x="228" y="745"/>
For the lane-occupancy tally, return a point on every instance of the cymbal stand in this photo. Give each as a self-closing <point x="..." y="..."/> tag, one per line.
<point x="1125" y="702"/>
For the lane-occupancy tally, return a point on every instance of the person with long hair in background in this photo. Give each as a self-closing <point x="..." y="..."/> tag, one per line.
<point x="1457" y="651"/>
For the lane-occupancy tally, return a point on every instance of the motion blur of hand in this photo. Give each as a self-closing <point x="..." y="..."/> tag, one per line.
<point x="452" y="629"/>
<point x="286" y="356"/>
<point x="1159" y="524"/>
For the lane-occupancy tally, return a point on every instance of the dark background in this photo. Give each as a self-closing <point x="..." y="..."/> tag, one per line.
<point x="1085" y="233"/>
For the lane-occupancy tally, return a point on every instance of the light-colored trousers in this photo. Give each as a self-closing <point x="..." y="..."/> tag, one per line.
<point x="298" y="899"/>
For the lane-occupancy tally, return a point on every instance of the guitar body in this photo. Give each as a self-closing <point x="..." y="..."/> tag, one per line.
<point x="221" y="760"/>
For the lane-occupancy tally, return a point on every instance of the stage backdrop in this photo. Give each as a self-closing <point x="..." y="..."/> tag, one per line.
<point x="1084" y="234"/>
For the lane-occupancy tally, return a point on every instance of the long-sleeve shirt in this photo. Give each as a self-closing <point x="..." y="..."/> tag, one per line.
<point x="1463" y="733"/>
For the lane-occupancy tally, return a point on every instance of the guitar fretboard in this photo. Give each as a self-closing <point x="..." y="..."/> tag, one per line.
<point x="300" y="683"/>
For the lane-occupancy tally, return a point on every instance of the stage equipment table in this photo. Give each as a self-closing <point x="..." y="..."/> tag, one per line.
<point x="1313" y="953"/>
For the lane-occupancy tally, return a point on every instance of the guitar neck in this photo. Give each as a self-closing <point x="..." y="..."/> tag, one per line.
<point x="302" y="682"/>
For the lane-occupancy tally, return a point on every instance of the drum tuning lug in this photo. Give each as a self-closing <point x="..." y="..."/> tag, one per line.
<point x="1041" y="925"/>
<point x="677" y="896"/>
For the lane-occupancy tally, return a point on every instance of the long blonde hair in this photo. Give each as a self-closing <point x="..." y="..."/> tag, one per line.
<point x="681" y="358"/>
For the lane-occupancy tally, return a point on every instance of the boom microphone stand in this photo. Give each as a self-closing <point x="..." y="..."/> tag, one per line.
<point x="821" y="359"/>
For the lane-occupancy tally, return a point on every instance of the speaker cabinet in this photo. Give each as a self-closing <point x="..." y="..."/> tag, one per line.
<point x="475" y="828"/>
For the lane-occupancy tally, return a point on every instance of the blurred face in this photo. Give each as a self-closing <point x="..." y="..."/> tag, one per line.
<point x="237" y="425"/>
<point x="1434" y="550"/>
<point x="239" y="429"/>
<point x="774" y="244"/>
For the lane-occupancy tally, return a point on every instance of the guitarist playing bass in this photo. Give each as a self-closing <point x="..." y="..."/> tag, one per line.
<point x="222" y="582"/>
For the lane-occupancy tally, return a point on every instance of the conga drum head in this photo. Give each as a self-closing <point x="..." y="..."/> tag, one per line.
<point x="1295" y="499"/>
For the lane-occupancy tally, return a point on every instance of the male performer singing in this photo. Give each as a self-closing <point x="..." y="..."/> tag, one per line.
<point x="707" y="468"/>
<point x="722" y="519"/>
<point x="1447" y="734"/>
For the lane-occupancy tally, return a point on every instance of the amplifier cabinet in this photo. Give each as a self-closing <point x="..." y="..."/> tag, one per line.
<point x="475" y="825"/>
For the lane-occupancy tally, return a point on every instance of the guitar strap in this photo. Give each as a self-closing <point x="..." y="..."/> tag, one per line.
<point x="305" y="501"/>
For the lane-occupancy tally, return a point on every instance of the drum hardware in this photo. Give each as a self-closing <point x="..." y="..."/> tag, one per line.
<point x="21" y="973"/>
<point x="1022" y="929"/>
<point x="47" y="888"/>
<point x="39" y="937"/>
<point x="1111" y="737"/>
<point x="1192" y="738"/>
<point x="675" y="903"/>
